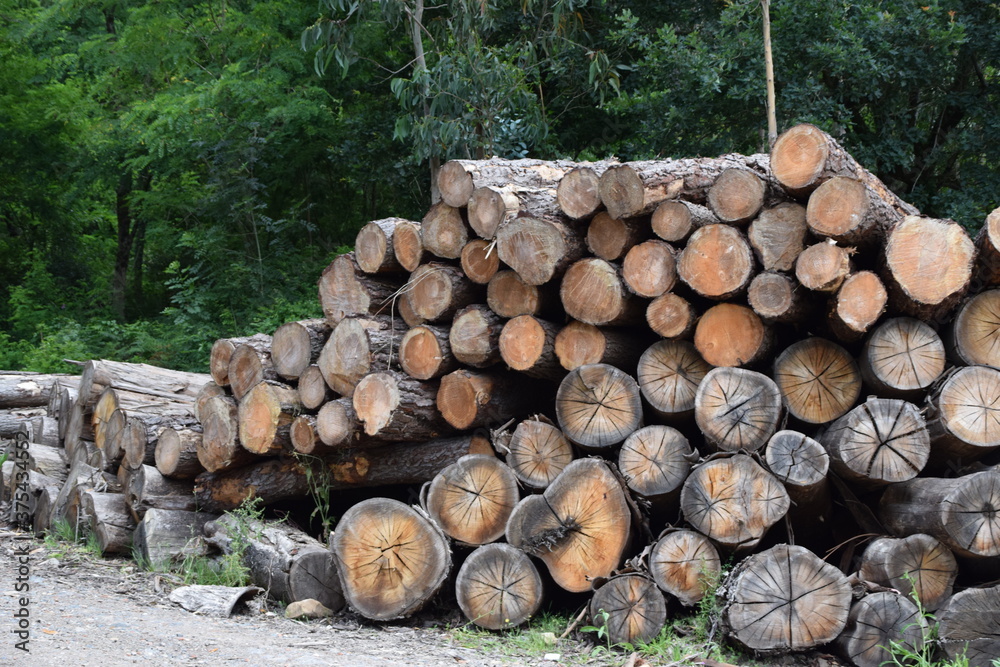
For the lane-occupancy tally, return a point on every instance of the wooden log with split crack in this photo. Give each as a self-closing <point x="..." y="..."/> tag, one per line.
<point x="592" y="291"/>
<point x="737" y="409"/>
<point x="578" y="344"/>
<point x="675" y="220"/>
<point x="801" y="464"/>
<point x="296" y="345"/>
<point x="163" y="383"/>
<point x="176" y="453"/>
<point x="508" y="295"/>
<point x="655" y="460"/>
<point x="685" y="564"/>
<point x="472" y="499"/>
<point x="344" y="290"/>
<point x="374" y="249"/>
<point x="968" y="629"/>
<point x="358" y="346"/>
<point x="539" y="249"/>
<point x="147" y="489"/>
<point x="962" y="416"/>
<point x="818" y="379"/>
<point x="975" y="337"/>
<point x="669" y="373"/>
<point x="26" y="390"/>
<point x="778" y="236"/>
<point x="436" y="291"/>
<point x="408" y="246"/>
<point x="598" y="406"/>
<point x="498" y="587"/>
<point x="219" y="448"/>
<point x="879" y="624"/>
<point x="902" y="358"/>
<point x="474" y="337"/>
<point x="536" y="452"/>
<point x="632" y="608"/>
<point x="918" y="565"/>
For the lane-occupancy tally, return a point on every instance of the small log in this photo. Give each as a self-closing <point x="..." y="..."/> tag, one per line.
<point x="109" y="520"/>
<point x="305" y="436"/>
<point x="138" y="437"/>
<point x="26" y="390"/>
<point x="902" y="358"/>
<point x="580" y="526"/>
<point x="390" y="559"/>
<point x="165" y="536"/>
<point x="778" y="236"/>
<point x="373" y="247"/>
<point x="823" y="267"/>
<point x="786" y="599"/>
<point x="671" y="316"/>
<point x="988" y="247"/>
<point x="498" y="587"/>
<point x="219" y="446"/>
<point x="470" y="400"/>
<point x="649" y="269"/>
<point x="962" y="417"/>
<point x="685" y="564"/>
<point x="801" y="464"/>
<point x="249" y="366"/>
<point x="479" y="261"/>
<point x="176" y="453"/>
<point x="579" y="343"/>
<point x="395" y="406"/>
<point x="917" y="566"/>
<point x="408" y="246"/>
<point x="537" y="452"/>
<point x="879" y="626"/>
<point x="674" y="221"/>
<point x="819" y="380"/>
<point x="975" y="336"/>
<point x="737" y="196"/>
<point x="295" y="345"/>
<point x="358" y="346"/>
<point x="578" y="193"/>
<point x="313" y="389"/>
<point x="737" y="409"/>
<point x="472" y="499"/>
<point x="425" y="352"/>
<point x="147" y="489"/>
<point x="717" y="262"/>
<point x="655" y="461"/>
<point x="474" y="338"/>
<point x="592" y="291"/>
<point x="539" y="250"/>
<point x="509" y="296"/>
<point x="963" y="513"/>
<point x="778" y="298"/>
<point x="213" y="601"/>
<point x="610" y="238"/>
<point x="489" y="207"/>
<point x="210" y="390"/>
<point x="859" y="303"/>
<point x="669" y="373"/>
<point x="265" y="417"/>
<point x="436" y="292"/>
<point x="337" y="423"/>
<point x="632" y="608"/>
<point x="844" y="210"/>
<point x="345" y="290"/>
<point x="443" y="231"/>
<point x="928" y="266"/>
<point x="49" y="461"/>
<point x="732" y="335"/>
<point x="527" y="345"/>
<point x="598" y="406"/>
<point x="968" y="626"/>
<point x="222" y="354"/>
<point x="733" y="501"/>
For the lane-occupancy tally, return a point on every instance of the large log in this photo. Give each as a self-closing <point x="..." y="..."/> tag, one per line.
<point x="443" y="231"/>
<point x="265" y="418"/>
<point x="578" y="344"/>
<point x="649" y="269"/>
<point x="902" y="358"/>
<point x="592" y="291"/>
<point x="685" y="564"/>
<point x="358" y="346"/>
<point x="655" y="461"/>
<point x="737" y="409"/>
<point x="962" y="416"/>
<point x="729" y="334"/>
<point x="917" y="566"/>
<point x="344" y="290"/>
<point x="527" y="345"/>
<point x="425" y="352"/>
<point x="975" y="336"/>
<point x="847" y="211"/>
<point x="968" y="626"/>
<point x="610" y="238"/>
<point x="26" y="390"/>
<point x="880" y="626"/>
<point x="737" y="196"/>
<point x="472" y="499"/>
<point x="373" y="247"/>
<point x="474" y="337"/>
<point x="435" y="292"/>
<point x="778" y="236"/>
<point x="598" y="406"/>
<point x="630" y="607"/>
<point x="819" y="380"/>
<point x="538" y="249"/>
<point x="176" y="453"/>
<point x="578" y="193"/>
<point x="395" y="406"/>
<point x="537" y="452"/>
<point x="801" y="464"/>
<point x="669" y="373"/>
<point x="470" y="400"/>
<point x="717" y="262"/>
<point x="498" y="587"/>
<point x="295" y="345"/>
<point x="99" y="374"/>
<point x="458" y="179"/>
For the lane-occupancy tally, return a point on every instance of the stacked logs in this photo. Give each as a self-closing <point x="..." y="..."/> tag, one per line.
<point x="631" y="373"/>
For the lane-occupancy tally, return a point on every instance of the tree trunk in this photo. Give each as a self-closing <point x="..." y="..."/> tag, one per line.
<point x="823" y="267"/>
<point x="373" y="247"/>
<point x="165" y="536"/>
<point x="425" y="352"/>
<point x="878" y="621"/>
<point x="26" y="390"/>
<point x="437" y="291"/>
<point x="671" y="316"/>
<point x="669" y="373"/>
<point x="527" y="345"/>
<point x="786" y="599"/>
<point x="917" y="565"/>
<point x="408" y="246"/>
<point x="902" y="358"/>
<point x="474" y="337"/>
<point x="148" y="489"/>
<point x="655" y="461"/>
<point x="109" y="520"/>
<point x="778" y="236"/>
<point x="480" y="261"/>
<point x="471" y="400"/>
<point x="295" y="345"/>
<point x="390" y="558"/>
<point x="498" y="587"/>
<point x="580" y="526"/>
<point x="845" y="210"/>
<point x="717" y="262"/>
<point x="732" y="335"/>
<point x="443" y="231"/>
<point x="733" y="501"/>
<point x="472" y="499"/>
<point x="962" y="418"/>
<point x="685" y="564"/>
<point x="737" y="196"/>
<point x="178" y="386"/>
<point x="345" y="290"/>
<point x="631" y="607"/>
<point x="859" y="303"/>
<point x="219" y="447"/>
<point x="598" y="406"/>
<point x="265" y="418"/>
<point x="578" y="344"/>
<point x="592" y="292"/>
<point x="578" y="193"/>
<point x="509" y="296"/>
<point x="397" y="407"/>
<point x="537" y="452"/>
<point x="675" y="220"/>
<point x="801" y="464"/>
<point x="610" y="238"/>
<point x="649" y="269"/>
<point x="975" y="336"/>
<point x="358" y="346"/>
<point x="968" y="627"/>
<point x="489" y="207"/>
<point x="819" y="380"/>
<point x="176" y="453"/>
<point x="539" y="249"/>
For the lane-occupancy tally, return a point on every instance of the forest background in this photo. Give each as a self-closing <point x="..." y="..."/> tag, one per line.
<point x="174" y="171"/>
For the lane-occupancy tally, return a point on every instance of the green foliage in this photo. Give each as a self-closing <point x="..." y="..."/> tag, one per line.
<point x="64" y="539"/>
<point x="319" y="480"/>
<point x="600" y="630"/>
<point x="905" y="655"/>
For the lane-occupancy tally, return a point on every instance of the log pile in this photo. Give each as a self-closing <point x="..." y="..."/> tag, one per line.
<point x="611" y="378"/>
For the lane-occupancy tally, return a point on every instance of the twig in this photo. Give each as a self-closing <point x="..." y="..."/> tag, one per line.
<point x="576" y="622"/>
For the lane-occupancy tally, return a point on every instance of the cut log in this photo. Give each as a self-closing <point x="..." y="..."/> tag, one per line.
<point x="84" y="476"/>
<point x="778" y="236"/>
<point x="578" y="193"/>
<point x="988" y="255"/>
<point x="685" y="564"/>
<point x="968" y="626"/>
<point x="138" y="437"/>
<point x="655" y="461"/>
<point x="674" y="221"/>
<point x="249" y="366"/>
<point x="976" y="332"/>
<point x="358" y="346"/>
<point x="265" y="418"/>
<point x="489" y="207"/>
<point x="844" y="210"/>
<point x="801" y="464"/>
<point x="43" y="430"/>
<point x="167" y="536"/>
<point x="537" y="452"/>
<point x="580" y="526"/>
<point x="99" y="374"/>
<point x="313" y="389"/>
<point x="733" y="501"/>
<point x="509" y="296"/>
<point x="480" y="261"/>
<point x="737" y="409"/>
<point x="778" y="298"/>
<point x="737" y="196"/>
<point x="214" y="601"/>
<point x="443" y="231"/>
<point x="786" y="599"/>
<point x="610" y="238"/>
<point x="671" y="316"/>
<point x="305" y="436"/>
<point x="390" y="559"/>
<point x="67" y="399"/>
<point x="425" y="352"/>
<point x="539" y="250"/>
<point x="222" y="353"/>
<point x="284" y="561"/>
<point x="498" y="587"/>
<point x="148" y="489"/>
<point x="345" y="290"/>
<point x="579" y="343"/>
<point x="458" y="179"/>
<point x="917" y="566"/>
<point x="176" y="453"/>
<point x="964" y="416"/>
<point x="879" y="627"/>
<point x="397" y="407"/>
<point x="26" y="390"/>
<point x="474" y="338"/>
<point x="928" y="265"/>
<point x="337" y="423"/>
<point x="963" y="513"/>
<point x="859" y="303"/>
<point x="527" y="345"/>
<point x="219" y="447"/>
<point x="732" y="335"/>
<point x="210" y="390"/>
<point x="823" y="267"/>
<point x="598" y="406"/>
<point x="819" y="380"/>
<point x="437" y="291"/>
<point x="631" y="607"/>
<point x="716" y="262"/>
<point x="295" y="345"/>
<point x="472" y="499"/>
<point x="902" y="358"/>
<point x="408" y="246"/>
<point x="669" y="373"/>
<point x="109" y="520"/>
<point x="373" y="247"/>
<point x="470" y="400"/>
<point x="49" y="461"/>
<point x="593" y="292"/>
<point x="649" y="269"/>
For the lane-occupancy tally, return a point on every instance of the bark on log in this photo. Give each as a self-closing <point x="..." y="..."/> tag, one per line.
<point x="578" y="344"/>
<point x="148" y="489"/>
<point x="649" y="269"/>
<point x="592" y="291"/>
<point x="390" y="559"/>
<point x="823" y="267"/>
<point x="176" y="453"/>
<point x="26" y="390"/>
<point x="732" y="335"/>
<point x="443" y="231"/>
<point x="265" y="418"/>
<point x="918" y="565"/>
<point x="373" y="246"/>
<point x="578" y="193"/>
<point x="987" y="270"/>
<point x="472" y="499"/>
<point x="437" y="291"/>
<point x="345" y="290"/>
<point x="859" y="303"/>
<point x="819" y="380"/>
<point x="778" y="298"/>
<point x="42" y="430"/>
<point x="669" y="373"/>
<point x="674" y="221"/>
<point x="537" y="452"/>
<point x="397" y="407"/>
<point x="686" y="565"/>
<point x="610" y="238"/>
<point x="109" y="520"/>
<point x="425" y="352"/>
<point x="480" y="261"/>
<point x="509" y="296"/>
<point x="219" y="447"/>
<point x="178" y="386"/>
<point x="737" y="409"/>
<point x="408" y="246"/>
<point x="470" y="400"/>
<point x="295" y="345"/>
<point x="474" y="337"/>
<point x="975" y="338"/>
<point x="458" y="179"/>
<point x="671" y="316"/>
<point x="845" y="210"/>
<point x="963" y="418"/>
<point x="49" y="461"/>
<point x="249" y="366"/>
<point x="968" y="626"/>
<point x="876" y="623"/>
<point x="538" y="249"/>
<point x="598" y="406"/>
<point x="498" y="587"/>
<point x="737" y="196"/>
<point x="142" y="429"/>
<point x="655" y="461"/>
<point x="902" y="358"/>
<point x="527" y="345"/>
<point x="210" y="390"/>
<point x="358" y="346"/>
<point x="489" y="207"/>
<point x="778" y="236"/>
<point x="632" y="608"/>
<point x="579" y="526"/>
<point x="717" y="262"/>
<point x="165" y="536"/>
